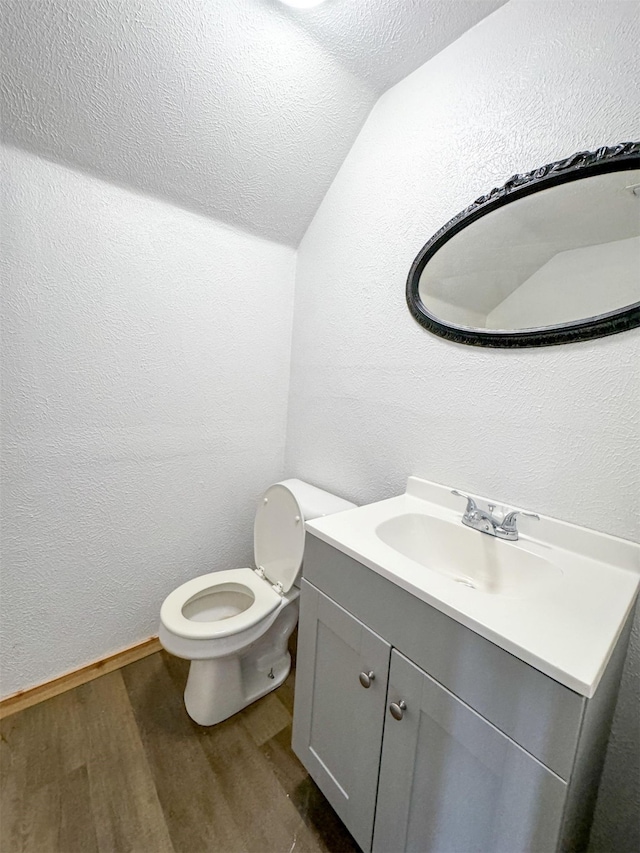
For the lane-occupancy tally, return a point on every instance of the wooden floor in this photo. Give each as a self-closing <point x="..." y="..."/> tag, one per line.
<point x="117" y="766"/>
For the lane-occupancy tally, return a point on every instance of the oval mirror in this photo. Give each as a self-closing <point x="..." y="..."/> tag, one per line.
<point x="551" y="257"/>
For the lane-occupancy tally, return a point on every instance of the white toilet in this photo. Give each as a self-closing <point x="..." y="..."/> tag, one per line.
<point x="234" y="625"/>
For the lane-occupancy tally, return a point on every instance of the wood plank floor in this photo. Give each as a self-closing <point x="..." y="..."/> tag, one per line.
<point x="117" y="766"/>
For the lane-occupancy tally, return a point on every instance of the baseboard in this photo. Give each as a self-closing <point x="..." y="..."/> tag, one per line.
<point x="26" y="698"/>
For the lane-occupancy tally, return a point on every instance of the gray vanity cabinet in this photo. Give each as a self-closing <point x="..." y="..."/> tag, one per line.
<point x="453" y="745"/>
<point x="450" y="781"/>
<point x="341" y="687"/>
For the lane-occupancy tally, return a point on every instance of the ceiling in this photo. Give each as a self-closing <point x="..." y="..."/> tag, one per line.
<point x="242" y="110"/>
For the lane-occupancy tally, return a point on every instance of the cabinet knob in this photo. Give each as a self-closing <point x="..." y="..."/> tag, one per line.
<point x="397" y="709"/>
<point x="366" y="678"/>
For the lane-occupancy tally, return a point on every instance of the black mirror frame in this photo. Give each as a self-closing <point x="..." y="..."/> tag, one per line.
<point x="615" y="158"/>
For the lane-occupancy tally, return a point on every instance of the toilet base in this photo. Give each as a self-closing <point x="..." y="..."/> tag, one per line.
<point x="216" y="689"/>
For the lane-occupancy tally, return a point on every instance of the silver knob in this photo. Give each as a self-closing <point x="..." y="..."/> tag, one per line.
<point x="397" y="709"/>
<point x="366" y="678"/>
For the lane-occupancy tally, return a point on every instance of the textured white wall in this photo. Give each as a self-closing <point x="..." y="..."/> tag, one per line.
<point x="145" y="379"/>
<point x="375" y="397"/>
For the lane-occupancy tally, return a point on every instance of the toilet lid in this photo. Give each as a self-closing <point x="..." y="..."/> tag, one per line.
<point x="278" y="536"/>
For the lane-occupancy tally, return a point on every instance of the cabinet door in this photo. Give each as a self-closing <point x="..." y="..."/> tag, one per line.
<point x="451" y="782"/>
<point x="337" y="723"/>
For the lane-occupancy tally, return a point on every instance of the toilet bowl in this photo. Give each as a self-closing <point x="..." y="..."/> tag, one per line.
<point x="234" y="625"/>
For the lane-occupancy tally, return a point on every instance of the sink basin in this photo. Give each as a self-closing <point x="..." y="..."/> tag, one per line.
<point x="472" y="559"/>
<point x="556" y="598"/>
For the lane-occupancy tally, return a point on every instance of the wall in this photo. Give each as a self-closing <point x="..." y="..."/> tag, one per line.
<point x="145" y="379"/>
<point x="374" y="397"/>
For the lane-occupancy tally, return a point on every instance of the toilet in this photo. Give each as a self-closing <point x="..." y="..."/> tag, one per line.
<point x="234" y="625"/>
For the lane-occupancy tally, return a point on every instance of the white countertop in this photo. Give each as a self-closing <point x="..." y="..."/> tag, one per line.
<point x="566" y="629"/>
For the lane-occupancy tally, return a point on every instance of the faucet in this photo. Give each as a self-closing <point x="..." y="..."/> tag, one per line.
<point x="485" y="521"/>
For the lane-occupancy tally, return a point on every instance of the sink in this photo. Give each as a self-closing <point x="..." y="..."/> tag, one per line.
<point x="556" y="598"/>
<point x="472" y="559"/>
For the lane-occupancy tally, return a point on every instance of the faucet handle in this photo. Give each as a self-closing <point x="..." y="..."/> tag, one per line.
<point x="509" y="521"/>
<point x="471" y="504"/>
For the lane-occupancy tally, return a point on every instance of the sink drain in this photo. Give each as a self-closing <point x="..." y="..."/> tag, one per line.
<point x="466" y="582"/>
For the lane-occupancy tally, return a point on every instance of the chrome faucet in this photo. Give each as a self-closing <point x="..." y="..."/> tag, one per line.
<point x="504" y="527"/>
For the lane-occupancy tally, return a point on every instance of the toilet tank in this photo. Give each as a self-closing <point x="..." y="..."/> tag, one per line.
<point x="278" y="532"/>
<point x="315" y="502"/>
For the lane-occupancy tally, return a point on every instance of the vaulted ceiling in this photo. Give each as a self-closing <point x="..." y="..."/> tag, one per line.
<point x="242" y="110"/>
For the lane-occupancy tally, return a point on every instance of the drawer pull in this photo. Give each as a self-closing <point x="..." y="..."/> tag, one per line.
<point x="397" y="709"/>
<point x="366" y="678"/>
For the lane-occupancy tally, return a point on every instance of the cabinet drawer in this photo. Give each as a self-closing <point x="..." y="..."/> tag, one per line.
<point x="535" y="711"/>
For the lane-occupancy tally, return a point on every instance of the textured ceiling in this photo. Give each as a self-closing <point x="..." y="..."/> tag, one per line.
<point x="240" y="109"/>
<point x="382" y="41"/>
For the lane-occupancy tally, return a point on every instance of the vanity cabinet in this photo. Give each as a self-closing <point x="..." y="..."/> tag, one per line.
<point x="426" y="737"/>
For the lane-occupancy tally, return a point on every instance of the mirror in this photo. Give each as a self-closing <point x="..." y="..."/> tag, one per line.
<point x="551" y="257"/>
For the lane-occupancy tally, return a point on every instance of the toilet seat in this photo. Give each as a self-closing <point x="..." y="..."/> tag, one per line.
<point x="265" y="601"/>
